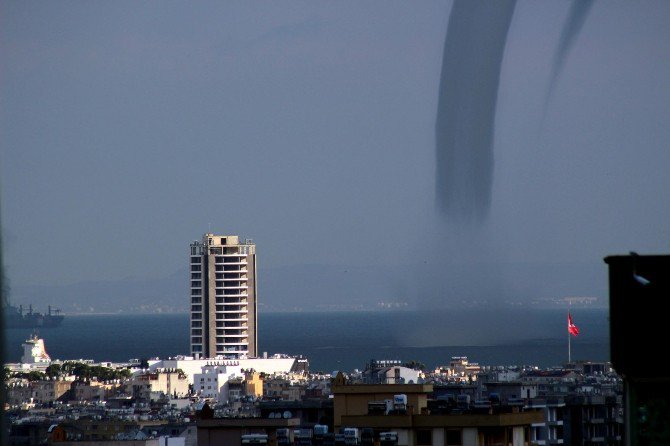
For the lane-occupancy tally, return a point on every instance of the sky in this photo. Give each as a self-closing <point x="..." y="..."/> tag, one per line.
<point x="129" y="129"/>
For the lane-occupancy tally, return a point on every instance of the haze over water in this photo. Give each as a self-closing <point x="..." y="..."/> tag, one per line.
<point x="346" y="340"/>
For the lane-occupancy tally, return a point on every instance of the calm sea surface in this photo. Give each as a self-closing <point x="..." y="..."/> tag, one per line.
<point x="346" y="340"/>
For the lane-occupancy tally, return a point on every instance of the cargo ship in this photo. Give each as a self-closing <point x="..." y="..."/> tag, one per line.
<point x="16" y="317"/>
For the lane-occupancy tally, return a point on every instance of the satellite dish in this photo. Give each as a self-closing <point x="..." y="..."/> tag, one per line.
<point x="287" y="414"/>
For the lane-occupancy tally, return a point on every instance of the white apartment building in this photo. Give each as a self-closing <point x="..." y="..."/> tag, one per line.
<point x="223" y="297"/>
<point x="213" y="381"/>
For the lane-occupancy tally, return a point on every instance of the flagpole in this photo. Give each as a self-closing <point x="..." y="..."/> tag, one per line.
<point x="569" y="340"/>
<point x="569" y="334"/>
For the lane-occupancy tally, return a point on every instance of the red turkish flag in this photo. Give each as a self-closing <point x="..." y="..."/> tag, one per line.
<point x="572" y="328"/>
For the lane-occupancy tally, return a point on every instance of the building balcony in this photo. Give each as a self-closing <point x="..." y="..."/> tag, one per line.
<point x="238" y="301"/>
<point x="230" y="268"/>
<point x="233" y="350"/>
<point x="231" y="261"/>
<point x="231" y="311"/>
<point x="237" y="296"/>
<point x="231" y="343"/>
<point x="235" y="319"/>
<point x="234" y="326"/>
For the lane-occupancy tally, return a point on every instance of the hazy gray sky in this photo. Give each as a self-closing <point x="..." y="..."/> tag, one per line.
<point x="130" y="128"/>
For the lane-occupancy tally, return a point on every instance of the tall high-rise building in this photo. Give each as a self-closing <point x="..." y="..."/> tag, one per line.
<point x="223" y="297"/>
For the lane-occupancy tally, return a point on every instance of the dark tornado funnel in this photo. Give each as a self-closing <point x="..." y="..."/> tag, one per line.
<point x="473" y="52"/>
<point x="579" y="11"/>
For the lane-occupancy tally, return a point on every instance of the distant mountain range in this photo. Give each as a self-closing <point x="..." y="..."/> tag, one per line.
<point x="336" y="287"/>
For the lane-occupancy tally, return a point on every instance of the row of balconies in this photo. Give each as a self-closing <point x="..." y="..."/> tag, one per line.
<point x="231" y="309"/>
<point x="223" y="350"/>
<point x="230" y="284"/>
<point x="230" y="325"/>
<point x="231" y="260"/>
<point x="232" y="337"/>
<point x="231" y="276"/>
<point x="197" y="309"/>
<point x="227" y="300"/>
<point x="230" y="268"/>
<point x="231" y="341"/>
<point x="220" y="292"/>
<point x="223" y="300"/>
<point x="231" y="317"/>
<point x="196" y="289"/>
<point x="231" y="332"/>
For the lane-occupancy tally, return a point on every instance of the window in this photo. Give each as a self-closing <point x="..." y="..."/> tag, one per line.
<point x="454" y="437"/>
<point x="424" y="437"/>
<point x="195" y="268"/>
<point x="195" y="259"/>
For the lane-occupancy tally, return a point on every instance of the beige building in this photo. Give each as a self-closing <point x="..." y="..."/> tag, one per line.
<point x="93" y="390"/>
<point x="416" y="426"/>
<point x="169" y="382"/>
<point x="48" y="391"/>
<point x="223" y="297"/>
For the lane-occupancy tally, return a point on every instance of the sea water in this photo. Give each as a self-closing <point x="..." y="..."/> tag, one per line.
<point x="346" y="340"/>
